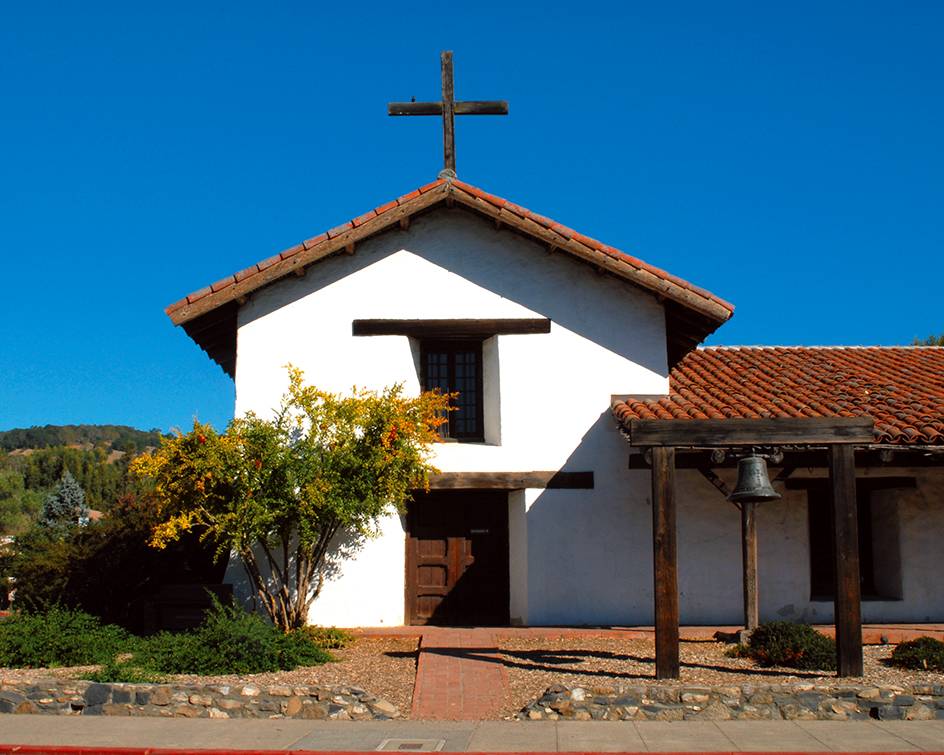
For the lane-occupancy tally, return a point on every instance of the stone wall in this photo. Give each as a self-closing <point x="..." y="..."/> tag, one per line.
<point x="82" y="698"/>
<point x="772" y="702"/>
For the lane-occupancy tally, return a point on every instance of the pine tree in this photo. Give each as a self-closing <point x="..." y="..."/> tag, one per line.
<point x="65" y="506"/>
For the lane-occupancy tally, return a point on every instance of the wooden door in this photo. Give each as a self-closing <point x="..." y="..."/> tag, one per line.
<point x="457" y="558"/>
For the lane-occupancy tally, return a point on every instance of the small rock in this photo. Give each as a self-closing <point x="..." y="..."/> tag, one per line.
<point x="97" y="694"/>
<point x="382" y="706"/>
<point x="188" y="711"/>
<point x="292" y="706"/>
<point x="313" y="711"/>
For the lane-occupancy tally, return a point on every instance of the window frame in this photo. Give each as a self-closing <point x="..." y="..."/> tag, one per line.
<point x="451" y="347"/>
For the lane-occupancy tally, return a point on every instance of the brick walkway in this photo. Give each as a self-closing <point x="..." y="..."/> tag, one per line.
<point x="459" y="675"/>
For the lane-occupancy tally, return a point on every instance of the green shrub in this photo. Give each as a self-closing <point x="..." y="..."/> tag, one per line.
<point x="230" y="641"/>
<point x="786" y="643"/>
<point x="924" y="653"/>
<point x="329" y="638"/>
<point x="56" y="637"/>
<point x="124" y="672"/>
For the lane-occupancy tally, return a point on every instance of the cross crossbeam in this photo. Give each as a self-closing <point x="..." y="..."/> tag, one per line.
<point x="448" y="109"/>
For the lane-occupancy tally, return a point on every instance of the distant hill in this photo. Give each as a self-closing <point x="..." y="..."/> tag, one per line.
<point x="112" y="437"/>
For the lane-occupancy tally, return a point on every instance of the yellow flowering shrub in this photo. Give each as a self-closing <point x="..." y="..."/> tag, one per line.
<point x="277" y="491"/>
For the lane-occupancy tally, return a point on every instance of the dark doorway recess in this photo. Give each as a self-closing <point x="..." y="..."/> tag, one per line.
<point x="457" y="558"/>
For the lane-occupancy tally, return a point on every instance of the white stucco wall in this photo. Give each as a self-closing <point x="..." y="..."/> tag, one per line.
<point x="576" y="556"/>
<point x="709" y="537"/>
<point x="547" y="396"/>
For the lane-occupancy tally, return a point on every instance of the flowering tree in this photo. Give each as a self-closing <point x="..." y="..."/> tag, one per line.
<point x="277" y="491"/>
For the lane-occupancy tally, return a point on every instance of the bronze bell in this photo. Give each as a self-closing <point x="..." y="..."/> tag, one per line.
<point x="752" y="485"/>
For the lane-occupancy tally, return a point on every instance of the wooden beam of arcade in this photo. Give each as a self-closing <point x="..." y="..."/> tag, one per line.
<point x="663" y="436"/>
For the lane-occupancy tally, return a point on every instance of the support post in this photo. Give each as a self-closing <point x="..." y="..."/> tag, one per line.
<point x="665" y="563"/>
<point x="749" y="563"/>
<point x="847" y="605"/>
<point x="448" y="112"/>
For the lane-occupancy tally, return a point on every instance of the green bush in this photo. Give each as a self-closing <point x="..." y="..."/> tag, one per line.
<point x="124" y="672"/>
<point x="230" y="641"/>
<point x="329" y="638"/>
<point x="786" y="643"/>
<point x="56" y="637"/>
<point x="924" y="653"/>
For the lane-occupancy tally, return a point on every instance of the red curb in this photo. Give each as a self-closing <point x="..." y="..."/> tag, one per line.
<point x="41" y="750"/>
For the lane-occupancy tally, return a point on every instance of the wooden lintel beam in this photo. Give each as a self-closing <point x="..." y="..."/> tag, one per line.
<point x="812" y="459"/>
<point x="750" y="432"/>
<point x="512" y="480"/>
<point x="451" y="328"/>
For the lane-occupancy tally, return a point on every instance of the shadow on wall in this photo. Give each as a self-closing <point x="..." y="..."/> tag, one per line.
<point x="590" y="551"/>
<point x="344" y="547"/>
<point x="568" y="292"/>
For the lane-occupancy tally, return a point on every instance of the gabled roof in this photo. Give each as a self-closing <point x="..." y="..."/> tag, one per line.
<point x="900" y="387"/>
<point x="209" y="315"/>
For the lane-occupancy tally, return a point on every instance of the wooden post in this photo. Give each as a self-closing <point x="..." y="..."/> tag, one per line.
<point x="665" y="563"/>
<point x="448" y="112"/>
<point x="749" y="563"/>
<point x="448" y="109"/>
<point x="847" y="606"/>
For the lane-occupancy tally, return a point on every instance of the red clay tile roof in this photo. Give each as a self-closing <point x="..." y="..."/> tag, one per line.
<point x="691" y="312"/>
<point x="900" y="387"/>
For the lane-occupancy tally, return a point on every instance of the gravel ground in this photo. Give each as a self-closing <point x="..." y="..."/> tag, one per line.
<point x="387" y="667"/>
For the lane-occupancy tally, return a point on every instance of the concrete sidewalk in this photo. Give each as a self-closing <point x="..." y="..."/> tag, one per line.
<point x="89" y="733"/>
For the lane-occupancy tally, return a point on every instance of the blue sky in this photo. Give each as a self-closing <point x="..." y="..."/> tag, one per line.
<point x="786" y="156"/>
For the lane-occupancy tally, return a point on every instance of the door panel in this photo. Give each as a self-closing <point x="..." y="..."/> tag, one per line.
<point x="457" y="558"/>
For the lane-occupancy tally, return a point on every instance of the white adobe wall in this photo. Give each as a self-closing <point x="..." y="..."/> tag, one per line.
<point x="577" y="555"/>
<point x="709" y="537"/>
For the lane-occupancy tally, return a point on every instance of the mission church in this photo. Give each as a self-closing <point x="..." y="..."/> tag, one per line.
<point x="584" y="473"/>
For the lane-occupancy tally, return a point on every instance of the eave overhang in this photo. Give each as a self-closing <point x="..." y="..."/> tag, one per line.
<point x="209" y="315"/>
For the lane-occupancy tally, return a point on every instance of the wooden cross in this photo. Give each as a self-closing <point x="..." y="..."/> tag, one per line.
<point x="448" y="109"/>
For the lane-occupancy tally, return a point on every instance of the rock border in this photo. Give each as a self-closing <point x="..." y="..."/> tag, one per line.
<point x="754" y="703"/>
<point x="84" y="698"/>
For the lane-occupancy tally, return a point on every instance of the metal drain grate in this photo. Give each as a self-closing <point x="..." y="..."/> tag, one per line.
<point x="411" y="745"/>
